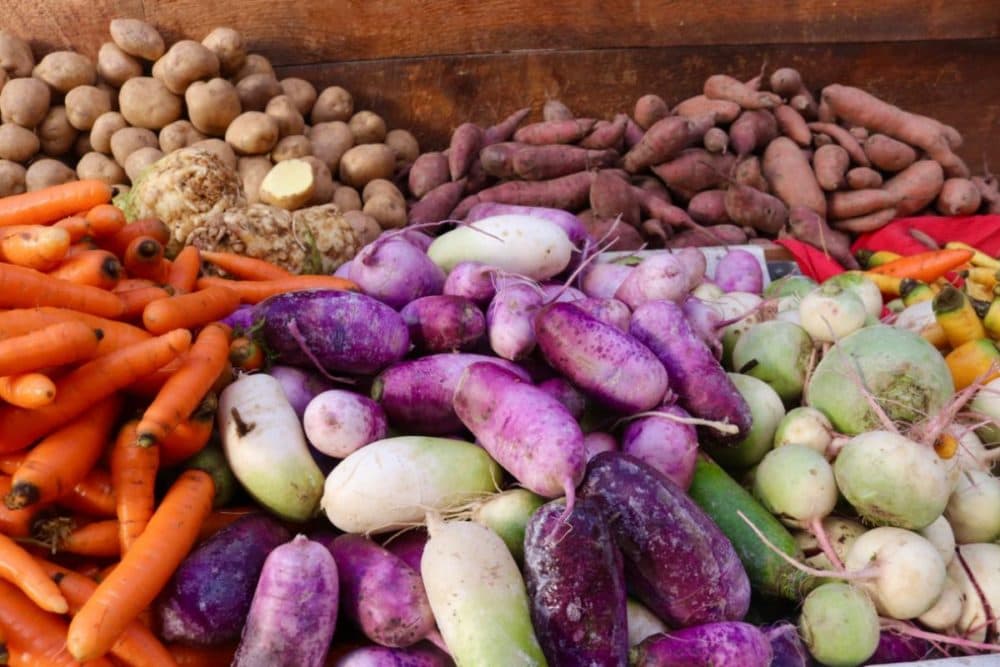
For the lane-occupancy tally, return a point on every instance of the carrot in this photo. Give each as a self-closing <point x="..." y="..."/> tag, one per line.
<point x="85" y="386"/>
<point x="145" y="569"/>
<point x="36" y="248"/>
<point x="187" y="387"/>
<point x="133" y="477"/>
<point x="190" y="310"/>
<point x="54" y="345"/>
<point x="255" y="291"/>
<point x="105" y="220"/>
<point x="118" y="241"/>
<point x="18" y="567"/>
<point x="184" y="270"/>
<point x="52" y="203"/>
<point x="93" y="496"/>
<point x="192" y="656"/>
<point x="245" y="268"/>
<point x="219" y="519"/>
<point x="84" y="245"/>
<point x="925" y="266"/>
<point x="972" y="361"/>
<point x="9" y="463"/>
<point x="128" y="284"/>
<point x="76" y="226"/>
<point x="191" y="435"/>
<point x="245" y="354"/>
<point x="26" y="288"/>
<point x="136" y="300"/>
<point x="29" y="630"/>
<point x="143" y="258"/>
<point x="114" y="335"/>
<point x="16" y="523"/>
<point x="62" y="460"/>
<point x="29" y="391"/>
<point x="98" y="268"/>
<point x="956" y="315"/>
<point x="151" y="384"/>
<point x="98" y="539"/>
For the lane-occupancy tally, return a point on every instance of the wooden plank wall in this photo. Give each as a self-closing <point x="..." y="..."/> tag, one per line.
<point x="430" y="64"/>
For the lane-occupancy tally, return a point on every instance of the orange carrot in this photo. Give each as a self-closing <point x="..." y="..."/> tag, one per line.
<point x="93" y="496"/>
<point x="53" y="203"/>
<point x="136" y="300"/>
<point x="150" y="385"/>
<point x="145" y="569"/>
<point x="84" y="245"/>
<point x="19" y="568"/>
<point x="98" y="268"/>
<point x="189" y="310"/>
<point x="29" y="391"/>
<point x="62" y="460"/>
<point x="114" y="335"/>
<point x="118" y="241"/>
<point x="143" y="258"/>
<point x="192" y="656"/>
<point x="191" y="435"/>
<point x="82" y="388"/>
<point x="243" y="267"/>
<point x="54" y="345"/>
<point x="39" y="248"/>
<point x="27" y="288"/>
<point x="16" y="523"/>
<point x="245" y="354"/>
<point x="76" y="225"/>
<point x="105" y="220"/>
<point x="128" y="284"/>
<point x="925" y="266"/>
<point x="33" y="636"/>
<point x="98" y="539"/>
<point x="255" y="291"/>
<point x="184" y="270"/>
<point x="187" y="387"/>
<point x="133" y="477"/>
<point x="9" y="463"/>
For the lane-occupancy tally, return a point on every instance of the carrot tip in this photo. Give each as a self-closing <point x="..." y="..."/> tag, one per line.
<point x="22" y="494"/>
<point x="146" y="440"/>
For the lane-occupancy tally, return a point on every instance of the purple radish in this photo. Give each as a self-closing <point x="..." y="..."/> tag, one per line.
<point x="294" y="609"/>
<point x="343" y="271"/>
<point x="299" y="386"/>
<point x="509" y="319"/>
<point x="609" y="311"/>
<point x="338" y="422"/>
<point x="739" y="271"/>
<point x="395" y="271"/>
<point x="597" y="442"/>
<point x="894" y="647"/>
<point x="417" y="394"/>
<point x="695" y="264"/>
<point x="424" y="655"/>
<point x="472" y="280"/>
<point x="576" y="584"/>
<point x="668" y="446"/>
<point x="409" y="547"/>
<point x="729" y="644"/>
<point x="601" y="280"/>
<point x="443" y="323"/>
<point x="417" y="238"/>
<point x="787" y="646"/>
<point x="614" y="368"/>
<point x="527" y="431"/>
<point x="661" y="276"/>
<point x="565" y="393"/>
<point x="705" y="322"/>
<point x="569" y="223"/>
<point x="556" y="293"/>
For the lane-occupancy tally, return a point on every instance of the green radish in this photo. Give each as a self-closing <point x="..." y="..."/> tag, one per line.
<point x="839" y="625"/>
<point x="973" y="510"/>
<point x="863" y="288"/>
<point x="790" y="285"/>
<point x="723" y="499"/>
<point x="796" y="484"/>
<point x="507" y="515"/>
<point x="804" y="426"/>
<point x="778" y="353"/>
<point x="830" y="313"/>
<point x="766" y="410"/>
<point x="947" y="610"/>
<point x="841" y="533"/>
<point x="478" y="596"/>
<point x="940" y="534"/>
<point x="987" y="403"/>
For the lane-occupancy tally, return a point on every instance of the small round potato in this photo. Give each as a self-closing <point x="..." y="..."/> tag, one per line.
<point x="137" y="38"/>
<point x="330" y="141"/>
<point x="12" y="178"/>
<point x="127" y="140"/>
<point x="283" y="110"/>
<point x="325" y="186"/>
<point x="302" y="93"/>
<point x="100" y="132"/>
<point x="334" y="103"/>
<point x="184" y="63"/>
<point x="110" y="91"/>
<point x="254" y="64"/>
<point x="24" y="101"/>
<point x="55" y="135"/>
<point x="227" y="45"/>
<point x="367" y="128"/>
<point x="291" y="147"/>
<point x="179" y="134"/>
<point x="101" y="167"/>
<point x="85" y="104"/>
<point x="381" y="186"/>
<point x="139" y="160"/>
<point x="252" y="133"/>
<point x="288" y="185"/>
<point x="404" y="145"/>
<point x="146" y="102"/>
<point x="347" y="198"/>
<point x="212" y="106"/>
<point x="17" y="143"/>
<point x="46" y="172"/>
<point x="220" y="149"/>
<point x="388" y="211"/>
<point x="82" y="145"/>
<point x="65" y="70"/>
<point x="252" y="171"/>
<point x="256" y="90"/>
<point x="365" y="226"/>
<point x="114" y="66"/>
<point x="365" y="163"/>
<point x="15" y="55"/>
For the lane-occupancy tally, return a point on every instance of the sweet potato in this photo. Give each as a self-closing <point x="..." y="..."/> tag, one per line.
<point x="716" y="140"/>
<point x="699" y="105"/>
<point x="538" y="163"/>
<point x="665" y="139"/>
<point x="606" y="134"/>
<point x="556" y="110"/>
<point x="807" y="226"/>
<point x="959" y="196"/>
<point x="699" y="238"/>
<point x="437" y="204"/>
<point x="866" y="223"/>
<point x="649" y="109"/>
<point x="428" y="172"/>
<point x="854" y="203"/>
<point x="787" y="82"/>
<point x="916" y="186"/>
<point x="555" y="131"/>
<point x="466" y="141"/>
<point x="748" y="172"/>
<point x="620" y="235"/>
<point x="498" y="159"/>
<point x="694" y="170"/>
<point x="791" y="177"/>
<point x="610" y="196"/>
<point x="709" y="207"/>
<point x="504" y="130"/>
<point x="724" y="87"/>
<point x="889" y="154"/>
<point x="753" y="208"/>
<point x="654" y="206"/>
<point x="861" y="178"/>
<point x="752" y="131"/>
<point x="793" y="125"/>
<point x="845" y="139"/>
<point x="989" y="190"/>
<point x="567" y="192"/>
<point x="830" y="164"/>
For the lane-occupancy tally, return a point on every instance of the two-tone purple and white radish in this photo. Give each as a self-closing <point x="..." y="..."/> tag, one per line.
<point x="338" y="422"/>
<point x="443" y="323"/>
<point x="395" y="271"/>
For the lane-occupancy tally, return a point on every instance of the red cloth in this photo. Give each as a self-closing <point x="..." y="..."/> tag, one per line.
<point x="812" y="261"/>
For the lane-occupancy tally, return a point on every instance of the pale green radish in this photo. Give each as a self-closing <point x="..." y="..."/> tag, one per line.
<point x="840" y="532"/>
<point x="940" y="534"/>
<point x="987" y="403"/>
<point x="792" y="285"/>
<point x="974" y="507"/>
<point x="862" y="287"/>
<point x="971" y="453"/>
<point x="766" y="410"/>
<point x="839" y="625"/>
<point x="976" y="570"/>
<point x="778" y="353"/>
<point x="830" y="313"/>
<point x="641" y="622"/>
<point x="796" y="484"/>
<point x="947" y="610"/>
<point x="804" y="426"/>
<point x="707" y="291"/>
<point x="507" y="514"/>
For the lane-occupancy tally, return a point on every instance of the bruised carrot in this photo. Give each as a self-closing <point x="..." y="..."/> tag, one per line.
<point x="105" y="220"/>
<point x="184" y="269"/>
<point x="29" y="391"/>
<point x="27" y="288"/>
<point x="136" y="300"/>
<point x="925" y="266"/>
<point x="93" y="496"/>
<point x="206" y="305"/>
<point x="133" y="477"/>
<point x="18" y="567"/>
<point x="153" y="227"/>
<point x="38" y="248"/>
<point x="53" y="203"/>
<point x="75" y="225"/>
<point x="191" y="435"/>
<point x="98" y="268"/>
<point x="243" y="267"/>
<point x="143" y="258"/>
<point x="255" y="291"/>
<point x="16" y="523"/>
<point x="98" y="539"/>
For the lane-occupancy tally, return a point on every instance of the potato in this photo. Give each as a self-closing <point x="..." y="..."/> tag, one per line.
<point x="252" y="171"/>
<point x="84" y="104"/>
<point x="367" y="128"/>
<point x="288" y="185"/>
<point x="381" y="186"/>
<point x="184" y="63"/>
<point x="404" y="145"/>
<point x="137" y="38"/>
<point x="15" y="55"/>
<point x="106" y="124"/>
<point x="3" y="78"/>
<point x="101" y="167"/>
<point x="254" y="64"/>
<point x="212" y="105"/>
<point x="146" y="102"/>
<point x="46" y="172"/>
<point x="325" y="187"/>
<point x="256" y="91"/>
<point x="17" y="143"/>
<point x="138" y="160"/>
<point x="55" y="135"/>
<point x="24" y="101"/>
<point x="82" y="145"/>
<point x="12" y="175"/>
<point x="387" y="210"/>
<point x="282" y="108"/>
<point x="252" y="133"/>
<point x="65" y="70"/>
<point x="220" y="148"/>
<point x="365" y="163"/>
<point x="302" y="92"/>
<point x="177" y="135"/>
<point x="291" y="148"/>
<point x="127" y="140"/>
<point x="347" y="198"/>
<point x="227" y="45"/>
<point x="333" y="103"/>
<point x="330" y="141"/>
<point x="115" y="66"/>
<point x="110" y="91"/>
<point x="365" y="226"/>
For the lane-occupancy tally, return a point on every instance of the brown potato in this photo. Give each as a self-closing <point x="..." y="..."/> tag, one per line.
<point x="302" y="92"/>
<point x="137" y="38"/>
<point x="184" y="63"/>
<point x="388" y="211"/>
<point x="256" y="91"/>
<point x="65" y="70"/>
<point x="254" y="64"/>
<point x="227" y="45"/>
<point x="333" y="103"/>
<point x="12" y="176"/>
<point x="146" y="102"/>
<point x="115" y="66"/>
<point x="325" y="187"/>
<point x="106" y="124"/>
<point x="347" y="198"/>
<point x="404" y="145"/>
<point x="15" y="55"/>
<point x="252" y="171"/>
<point x="45" y="172"/>
<point x="3" y="78"/>
<point x="85" y="104"/>
<point x="367" y="128"/>
<point x="220" y="148"/>
<point x="365" y="163"/>
<point x="282" y="108"/>
<point x="291" y="148"/>
<point x="82" y="144"/>
<point x="252" y="133"/>
<point x="289" y="185"/>
<point x="365" y="226"/>
<point x="101" y="167"/>
<point x="212" y="106"/>
<point x="110" y="91"/>
<point x="24" y="101"/>
<point x="55" y="135"/>
<point x="127" y="140"/>
<point x="17" y="143"/>
<point x="138" y="160"/>
<point x="381" y="186"/>
<point x="179" y="134"/>
<point x="330" y="141"/>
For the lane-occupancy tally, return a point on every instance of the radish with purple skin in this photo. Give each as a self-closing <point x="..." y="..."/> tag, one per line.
<point x="596" y="442"/>
<point x="705" y="321"/>
<point x="474" y="281"/>
<point x="294" y="609"/>
<point x="240" y="319"/>
<point x="839" y="625"/>
<point x="661" y="276"/>
<point x="602" y="279"/>
<point x="424" y="655"/>
<point x="739" y="271"/>
<point x="695" y="265"/>
<point x="299" y="386"/>
<point x="409" y="546"/>
<point x="339" y="422"/>
<point x="786" y="645"/>
<point x="669" y="446"/>
<point x="394" y="271"/>
<point x="724" y="644"/>
<point x="609" y="311"/>
<point x="507" y="514"/>
<point x="443" y="323"/>
<point x="571" y="398"/>
<point x="509" y="319"/>
<point x="894" y="647"/>
<point x="556" y="293"/>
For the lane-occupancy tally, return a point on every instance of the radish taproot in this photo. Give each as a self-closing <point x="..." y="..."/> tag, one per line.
<point x="766" y="411"/>
<point x="778" y="353"/>
<point x="976" y="570"/>
<point x="830" y="312"/>
<point x="973" y="510"/>
<point x="804" y="426"/>
<point x="796" y="484"/>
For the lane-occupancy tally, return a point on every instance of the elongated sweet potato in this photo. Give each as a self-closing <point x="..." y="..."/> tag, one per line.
<point x="845" y="139"/>
<point x="724" y="87"/>
<point x="750" y="207"/>
<point x="748" y="172"/>
<point x="787" y="82"/>
<point x="709" y="207"/>
<point x="699" y="105"/>
<point x="555" y="131"/>
<point x="665" y="139"/>
<point x="569" y="193"/>
<point x="793" y="125"/>
<point x="989" y="190"/>
<point x="888" y="154"/>
<point x="437" y="204"/>
<point x="723" y="234"/>
<point x="606" y="134"/>
<point x="830" y="164"/>
<point x="916" y="186"/>
<point x="649" y="109"/>
<point x="807" y="226"/>
<point x="694" y="170"/>
<point x="466" y="141"/>
<point x="538" y="163"/>
<point x="791" y="177"/>
<point x="855" y="203"/>
<point x="752" y="131"/>
<point x="498" y="159"/>
<point x="611" y="196"/>
<point x="428" y="172"/>
<point x="862" y="178"/>
<point x="866" y="223"/>
<point x="505" y="129"/>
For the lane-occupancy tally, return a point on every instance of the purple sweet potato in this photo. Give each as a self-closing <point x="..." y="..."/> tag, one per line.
<point x="394" y="271"/>
<point x="437" y="204"/>
<point x="806" y="225"/>
<point x="787" y="646"/>
<point x="661" y="276"/>
<point x="649" y="109"/>
<point x="702" y="386"/>
<point x="723" y="234"/>
<point x="694" y="170"/>
<point x="509" y="319"/>
<point x="739" y="271"/>
<point x="466" y="141"/>
<point x="752" y="131"/>
<point x="665" y="139"/>
<point x="471" y="280"/>
<point x="606" y="134"/>
<point x="677" y="561"/>
<point x="791" y="176"/>
<point x="576" y="584"/>
<point x="608" y="310"/>
<point x="539" y="163"/>
<point x="709" y="207"/>
<point x="417" y="394"/>
<point x="556" y="110"/>
<point x="600" y="359"/>
<point x="863" y="178"/>
<point x="443" y="323"/>
<point x="716" y="140"/>
<point x="505" y="129"/>
<point x="428" y="172"/>
<point x="524" y="429"/>
<point x="725" y="644"/>
<point x="830" y="164"/>
<point x="422" y="655"/>
<point x="611" y="196"/>
<point x="750" y="207"/>
<point x="699" y="105"/>
<point x="668" y="446"/>
<point x="724" y="87"/>
<point x="565" y="393"/>
<point x="555" y="131"/>
<point x="793" y="125"/>
<point x="888" y="154"/>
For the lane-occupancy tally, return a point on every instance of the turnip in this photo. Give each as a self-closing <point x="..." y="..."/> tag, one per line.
<point x="602" y="279"/>
<point x="976" y="570"/>
<point x="641" y="622"/>
<point x="787" y="646"/>
<point x="395" y="271"/>
<point x="766" y="412"/>
<point x="946" y="611"/>
<point x="739" y="271"/>
<point x="840" y="534"/>
<point x="596" y="442"/>
<point x="940" y="534"/>
<point x="300" y="386"/>
<point x="790" y="285"/>
<point x="778" y="353"/>
<point x="830" y="312"/>
<point x="443" y="323"/>
<point x="839" y="625"/>
<point x="338" y="422"/>
<point x="509" y="319"/>
<point x="796" y="484"/>
<point x="862" y="287"/>
<point x="420" y="655"/>
<point x="973" y="509"/>
<point x="667" y="444"/>
<point x="473" y="280"/>
<point x="661" y="276"/>
<point x="804" y="426"/>
<point x="506" y="514"/>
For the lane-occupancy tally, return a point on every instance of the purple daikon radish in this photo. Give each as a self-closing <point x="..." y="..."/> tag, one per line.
<point x="695" y="264"/>
<point x="696" y="377"/>
<point x="597" y="442"/>
<point x="443" y="323"/>
<point x="394" y="271"/>
<point x="739" y="271"/>
<point x="569" y="223"/>
<point x="669" y="446"/>
<point x="610" y="365"/>
<point x="527" y="431"/>
<point x="509" y="319"/>
<point x="409" y="547"/>
<point x="705" y="321"/>
<point x="602" y="279"/>
<point x="240" y="319"/>
<point x="417" y="394"/>
<point x="472" y="280"/>
<point x="424" y="655"/>
<point x="609" y="311"/>
<point x="555" y="293"/>
<point x="725" y="644"/>
<point x="787" y="646"/>
<point x="299" y="386"/>
<point x="661" y="276"/>
<point x="338" y="422"/>
<point x="565" y="393"/>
